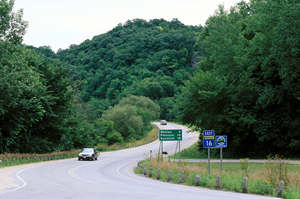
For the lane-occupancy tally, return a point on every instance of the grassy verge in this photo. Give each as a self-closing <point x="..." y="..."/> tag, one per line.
<point x="192" y="153"/>
<point x="150" y="137"/>
<point x="12" y="159"/>
<point x="263" y="178"/>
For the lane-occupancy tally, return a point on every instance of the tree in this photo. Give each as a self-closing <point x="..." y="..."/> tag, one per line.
<point x="34" y="101"/>
<point x="131" y="117"/>
<point x="248" y="85"/>
<point x="12" y="27"/>
<point x="35" y="97"/>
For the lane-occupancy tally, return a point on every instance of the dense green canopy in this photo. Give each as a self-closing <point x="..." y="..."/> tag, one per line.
<point x="34" y="91"/>
<point x="150" y="59"/>
<point x="247" y="85"/>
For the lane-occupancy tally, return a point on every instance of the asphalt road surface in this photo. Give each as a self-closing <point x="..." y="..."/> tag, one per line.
<point x="111" y="177"/>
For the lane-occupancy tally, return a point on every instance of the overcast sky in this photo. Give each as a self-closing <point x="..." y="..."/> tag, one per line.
<point x="60" y="23"/>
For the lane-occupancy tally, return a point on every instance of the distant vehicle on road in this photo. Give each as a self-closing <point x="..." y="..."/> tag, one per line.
<point x="88" y="154"/>
<point x="163" y="122"/>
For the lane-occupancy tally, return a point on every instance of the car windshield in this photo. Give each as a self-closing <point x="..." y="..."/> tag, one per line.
<point x="87" y="151"/>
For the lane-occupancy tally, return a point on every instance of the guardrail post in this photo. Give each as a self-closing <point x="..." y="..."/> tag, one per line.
<point x="280" y="189"/>
<point x="150" y="172"/>
<point x="245" y="185"/>
<point x="218" y="182"/>
<point x="197" y="179"/>
<point x="158" y="174"/>
<point x="181" y="177"/>
<point x="169" y="176"/>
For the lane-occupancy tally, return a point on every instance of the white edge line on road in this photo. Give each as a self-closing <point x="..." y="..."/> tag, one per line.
<point x="24" y="183"/>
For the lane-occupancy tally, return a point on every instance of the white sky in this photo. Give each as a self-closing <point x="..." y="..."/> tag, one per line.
<point x="60" y="23"/>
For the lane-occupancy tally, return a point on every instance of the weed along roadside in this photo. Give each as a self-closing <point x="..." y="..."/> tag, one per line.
<point x="270" y="178"/>
<point x="150" y="137"/>
<point x="12" y="159"/>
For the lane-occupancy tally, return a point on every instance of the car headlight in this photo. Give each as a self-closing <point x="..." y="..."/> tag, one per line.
<point x="80" y="154"/>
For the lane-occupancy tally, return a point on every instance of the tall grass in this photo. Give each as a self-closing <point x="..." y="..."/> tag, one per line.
<point x="10" y="159"/>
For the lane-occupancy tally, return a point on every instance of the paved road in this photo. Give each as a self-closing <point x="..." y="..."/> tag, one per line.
<point x="111" y="177"/>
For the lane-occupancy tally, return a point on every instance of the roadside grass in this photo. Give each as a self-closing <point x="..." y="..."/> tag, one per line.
<point x="12" y="159"/>
<point x="259" y="176"/>
<point x="192" y="152"/>
<point x="150" y="137"/>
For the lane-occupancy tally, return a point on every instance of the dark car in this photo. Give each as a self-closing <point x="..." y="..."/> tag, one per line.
<point x="88" y="154"/>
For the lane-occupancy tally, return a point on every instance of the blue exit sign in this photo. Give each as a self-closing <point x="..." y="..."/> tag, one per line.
<point x="208" y="133"/>
<point x="208" y="143"/>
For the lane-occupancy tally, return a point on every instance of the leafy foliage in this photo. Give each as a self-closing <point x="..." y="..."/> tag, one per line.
<point x="34" y="100"/>
<point x="35" y="95"/>
<point x="142" y="58"/>
<point x="132" y="116"/>
<point x="248" y="83"/>
<point x="12" y="27"/>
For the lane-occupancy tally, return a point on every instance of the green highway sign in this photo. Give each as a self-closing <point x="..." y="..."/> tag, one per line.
<point x="170" y="135"/>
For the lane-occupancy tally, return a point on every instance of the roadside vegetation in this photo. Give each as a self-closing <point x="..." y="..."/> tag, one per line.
<point x="192" y="152"/>
<point x="247" y="82"/>
<point x="263" y="178"/>
<point x="150" y="137"/>
<point x="13" y="159"/>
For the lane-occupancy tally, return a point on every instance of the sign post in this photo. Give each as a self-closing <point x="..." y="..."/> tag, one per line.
<point x="208" y="142"/>
<point x="221" y="142"/>
<point x="170" y="135"/>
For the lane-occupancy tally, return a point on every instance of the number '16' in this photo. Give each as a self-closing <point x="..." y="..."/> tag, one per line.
<point x="209" y="143"/>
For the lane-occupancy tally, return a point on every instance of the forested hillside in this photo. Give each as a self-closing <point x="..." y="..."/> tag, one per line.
<point x="142" y="58"/>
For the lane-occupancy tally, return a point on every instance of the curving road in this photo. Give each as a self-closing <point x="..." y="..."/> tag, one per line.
<point x="111" y="176"/>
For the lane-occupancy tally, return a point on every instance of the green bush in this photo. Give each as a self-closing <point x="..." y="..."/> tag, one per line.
<point x="131" y="117"/>
<point x="114" y="137"/>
